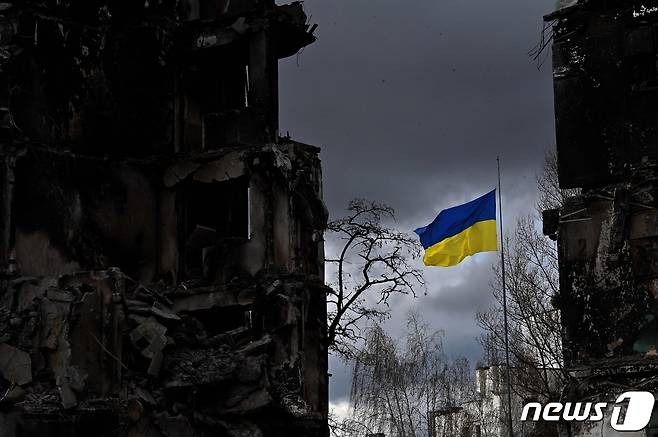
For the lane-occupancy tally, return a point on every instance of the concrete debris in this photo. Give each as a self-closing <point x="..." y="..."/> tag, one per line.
<point x="179" y="171"/>
<point x="247" y="401"/>
<point x="15" y="365"/>
<point x="191" y="368"/>
<point x="160" y="310"/>
<point x="237" y="357"/>
<point x="256" y="346"/>
<point x="145" y="396"/>
<point x="229" y="167"/>
<point x="203" y="301"/>
<point x="12" y="395"/>
<point x="174" y="426"/>
<point x="69" y="400"/>
<point x="27" y="292"/>
<point x="149" y="337"/>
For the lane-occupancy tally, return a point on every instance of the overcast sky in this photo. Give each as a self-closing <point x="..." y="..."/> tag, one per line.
<point x="411" y="101"/>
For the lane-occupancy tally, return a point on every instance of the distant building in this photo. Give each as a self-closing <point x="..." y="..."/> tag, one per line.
<point x="485" y="414"/>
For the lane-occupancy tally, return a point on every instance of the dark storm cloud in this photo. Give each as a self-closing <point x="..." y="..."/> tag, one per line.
<point x="411" y="102"/>
<point x="419" y="93"/>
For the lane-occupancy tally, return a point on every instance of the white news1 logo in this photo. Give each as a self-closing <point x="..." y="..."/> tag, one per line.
<point x="638" y="412"/>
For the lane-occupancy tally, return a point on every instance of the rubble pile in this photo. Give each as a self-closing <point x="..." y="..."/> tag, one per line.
<point x="150" y="361"/>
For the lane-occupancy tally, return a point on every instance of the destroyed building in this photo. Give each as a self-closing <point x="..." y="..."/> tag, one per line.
<point x="161" y="250"/>
<point x="605" y="68"/>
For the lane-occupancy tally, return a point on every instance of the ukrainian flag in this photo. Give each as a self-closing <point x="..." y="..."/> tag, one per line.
<point x="460" y="231"/>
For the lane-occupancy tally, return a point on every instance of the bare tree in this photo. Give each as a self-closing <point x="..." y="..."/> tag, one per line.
<point x="347" y="426"/>
<point x="373" y="262"/>
<point x="531" y="266"/>
<point x="398" y="388"/>
<point x="534" y="323"/>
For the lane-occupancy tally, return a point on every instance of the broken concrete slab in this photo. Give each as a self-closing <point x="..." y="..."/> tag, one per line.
<point x="201" y="301"/>
<point x="145" y="396"/>
<point x="178" y="171"/>
<point x="232" y="337"/>
<point x="162" y="311"/>
<point x="257" y="346"/>
<point x="69" y="399"/>
<point x="11" y="396"/>
<point x="230" y="166"/>
<point x="174" y="426"/>
<point x="157" y="309"/>
<point x="149" y="337"/>
<point x="15" y="365"/>
<point x="144" y="334"/>
<point x="155" y="350"/>
<point x="137" y="306"/>
<point x="246" y="399"/>
<point x="27" y="292"/>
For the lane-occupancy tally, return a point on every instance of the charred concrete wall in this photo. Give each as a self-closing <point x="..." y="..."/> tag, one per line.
<point x="161" y="252"/>
<point x="606" y="83"/>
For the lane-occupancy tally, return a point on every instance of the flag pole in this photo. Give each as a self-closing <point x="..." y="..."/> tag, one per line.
<point x="504" y="284"/>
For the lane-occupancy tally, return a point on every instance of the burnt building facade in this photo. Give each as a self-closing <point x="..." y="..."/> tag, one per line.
<point x="161" y="250"/>
<point x="605" y="68"/>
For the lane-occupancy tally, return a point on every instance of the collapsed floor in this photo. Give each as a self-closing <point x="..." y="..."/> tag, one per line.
<point x="98" y="352"/>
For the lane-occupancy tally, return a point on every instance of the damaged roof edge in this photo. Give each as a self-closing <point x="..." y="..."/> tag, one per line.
<point x="564" y="7"/>
<point x="289" y="23"/>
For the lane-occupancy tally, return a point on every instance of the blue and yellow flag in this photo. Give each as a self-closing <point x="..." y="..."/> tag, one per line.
<point x="460" y="231"/>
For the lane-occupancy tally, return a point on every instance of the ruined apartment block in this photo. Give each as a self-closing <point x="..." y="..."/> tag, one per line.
<point x="161" y="251"/>
<point x="605" y="67"/>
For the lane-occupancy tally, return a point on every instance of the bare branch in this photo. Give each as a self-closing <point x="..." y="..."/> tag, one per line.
<point x="372" y="264"/>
